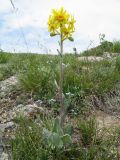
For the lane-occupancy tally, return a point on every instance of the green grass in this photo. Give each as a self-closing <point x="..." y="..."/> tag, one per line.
<point x="117" y="65"/>
<point x="37" y="75"/>
<point x="116" y="46"/>
<point x="105" y="46"/>
<point x="6" y="69"/>
<point x="5" y="57"/>
<point x="31" y="142"/>
<point x="88" y="131"/>
<point x="5" y="72"/>
<point x="92" y="144"/>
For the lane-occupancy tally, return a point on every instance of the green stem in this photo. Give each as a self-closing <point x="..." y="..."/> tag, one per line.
<point x="62" y="109"/>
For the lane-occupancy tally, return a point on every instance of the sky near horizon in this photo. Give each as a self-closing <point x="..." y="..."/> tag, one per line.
<point x="25" y="28"/>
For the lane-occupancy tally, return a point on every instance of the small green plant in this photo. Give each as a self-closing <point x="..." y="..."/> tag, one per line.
<point x="88" y="131"/>
<point x="95" y="143"/>
<point x="107" y="46"/>
<point x="117" y="65"/>
<point x="27" y="144"/>
<point x="5" y="71"/>
<point x="116" y="46"/>
<point x="38" y="79"/>
<point x="5" y="57"/>
<point x="57" y="137"/>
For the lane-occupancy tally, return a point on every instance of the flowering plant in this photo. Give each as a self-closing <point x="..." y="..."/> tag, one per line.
<point x="60" y="22"/>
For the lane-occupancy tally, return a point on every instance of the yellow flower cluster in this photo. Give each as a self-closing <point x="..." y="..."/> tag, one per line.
<point x="61" y="23"/>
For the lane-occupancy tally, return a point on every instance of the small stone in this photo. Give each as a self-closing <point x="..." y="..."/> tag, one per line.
<point x="1" y="149"/>
<point x="2" y="128"/>
<point x="4" y="156"/>
<point x="39" y="103"/>
<point x="6" y="126"/>
<point x="9" y="125"/>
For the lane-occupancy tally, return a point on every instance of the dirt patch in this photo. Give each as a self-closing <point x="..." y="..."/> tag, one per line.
<point x="108" y="102"/>
<point x="106" y="120"/>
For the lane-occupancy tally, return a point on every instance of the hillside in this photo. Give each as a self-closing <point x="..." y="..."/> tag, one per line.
<point x="29" y="105"/>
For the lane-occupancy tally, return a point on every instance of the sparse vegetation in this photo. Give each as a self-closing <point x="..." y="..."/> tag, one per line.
<point x="38" y="142"/>
<point x="42" y="137"/>
<point x="37" y="75"/>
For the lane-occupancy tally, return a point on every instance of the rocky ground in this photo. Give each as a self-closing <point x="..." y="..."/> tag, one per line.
<point x="12" y="103"/>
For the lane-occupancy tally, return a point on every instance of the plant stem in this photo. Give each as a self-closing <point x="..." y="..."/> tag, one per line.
<point x="62" y="109"/>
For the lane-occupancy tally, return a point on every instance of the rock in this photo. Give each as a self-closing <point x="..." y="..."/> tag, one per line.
<point x="91" y="58"/>
<point x="2" y="128"/>
<point x="4" y="147"/>
<point x="7" y="85"/>
<point x="107" y="55"/>
<point x="4" y="156"/>
<point x="39" y="103"/>
<point x="1" y="149"/>
<point x="115" y="54"/>
<point x="8" y="125"/>
<point x="27" y="110"/>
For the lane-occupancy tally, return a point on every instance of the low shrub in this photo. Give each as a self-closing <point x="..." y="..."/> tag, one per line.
<point x="38" y="79"/>
<point x="5" y="57"/>
<point x="88" y="131"/>
<point x="116" y="46"/>
<point x="105" y="46"/>
<point x="5" y="71"/>
<point x="117" y="65"/>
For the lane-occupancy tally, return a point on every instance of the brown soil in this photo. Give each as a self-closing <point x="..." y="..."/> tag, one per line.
<point x="106" y="120"/>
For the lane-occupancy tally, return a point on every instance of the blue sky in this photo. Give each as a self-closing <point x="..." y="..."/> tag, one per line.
<point x="92" y="18"/>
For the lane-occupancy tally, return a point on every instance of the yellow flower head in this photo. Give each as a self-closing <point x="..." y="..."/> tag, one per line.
<point x="51" y="25"/>
<point x="61" y="22"/>
<point x="61" y="16"/>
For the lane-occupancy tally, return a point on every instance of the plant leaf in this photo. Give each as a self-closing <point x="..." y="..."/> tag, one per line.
<point x="67" y="139"/>
<point x="52" y="34"/>
<point x="71" y="39"/>
<point x="57" y="128"/>
<point x="55" y="141"/>
<point x="68" y="129"/>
